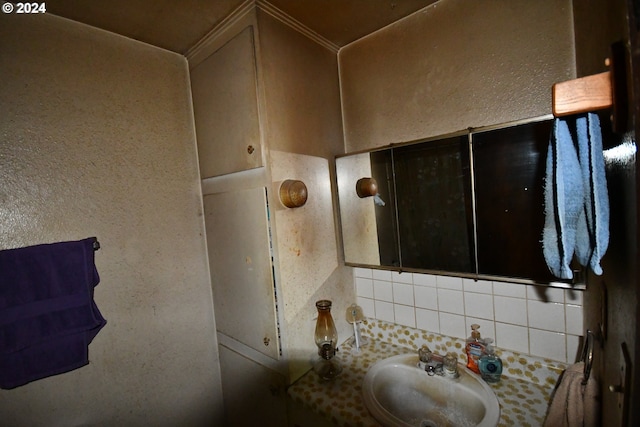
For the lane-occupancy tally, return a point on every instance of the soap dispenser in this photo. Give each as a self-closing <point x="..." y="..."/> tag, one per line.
<point x="475" y="348"/>
<point x="490" y="365"/>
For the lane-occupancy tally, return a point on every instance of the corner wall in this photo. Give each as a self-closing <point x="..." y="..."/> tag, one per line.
<point x="98" y="140"/>
<point x="303" y="134"/>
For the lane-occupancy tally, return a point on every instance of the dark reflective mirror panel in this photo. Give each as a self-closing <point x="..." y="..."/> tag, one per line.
<point x="469" y="205"/>
<point x="509" y="167"/>
<point x="433" y="196"/>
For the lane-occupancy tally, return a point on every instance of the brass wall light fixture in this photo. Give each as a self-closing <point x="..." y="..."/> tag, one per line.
<point x="366" y="187"/>
<point x="293" y="193"/>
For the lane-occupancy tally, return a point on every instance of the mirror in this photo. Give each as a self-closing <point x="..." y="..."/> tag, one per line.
<point x="434" y="204"/>
<point x="470" y="204"/>
<point x="360" y="229"/>
<point x="509" y="166"/>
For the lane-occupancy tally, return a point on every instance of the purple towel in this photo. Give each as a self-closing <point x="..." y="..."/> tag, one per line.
<point x="47" y="313"/>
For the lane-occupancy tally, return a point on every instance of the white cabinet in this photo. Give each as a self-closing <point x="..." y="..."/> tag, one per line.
<point x="238" y="239"/>
<point x="225" y="106"/>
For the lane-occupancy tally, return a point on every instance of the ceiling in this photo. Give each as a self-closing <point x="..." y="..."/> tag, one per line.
<point x="179" y="25"/>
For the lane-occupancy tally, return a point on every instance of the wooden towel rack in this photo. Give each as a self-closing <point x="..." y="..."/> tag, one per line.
<point x="596" y="92"/>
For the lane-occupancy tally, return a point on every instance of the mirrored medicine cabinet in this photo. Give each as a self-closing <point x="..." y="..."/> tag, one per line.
<point x="469" y="204"/>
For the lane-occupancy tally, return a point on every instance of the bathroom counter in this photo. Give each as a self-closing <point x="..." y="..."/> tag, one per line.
<point x="522" y="403"/>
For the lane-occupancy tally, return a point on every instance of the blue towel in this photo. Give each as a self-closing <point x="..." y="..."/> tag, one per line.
<point x="563" y="199"/>
<point x="575" y="196"/>
<point x="47" y="313"/>
<point x="592" y="239"/>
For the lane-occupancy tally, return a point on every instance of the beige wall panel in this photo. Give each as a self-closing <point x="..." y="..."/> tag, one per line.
<point x="301" y="92"/>
<point x="308" y="256"/>
<point x="454" y="65"/>
<point x="97" y="140"/>
<point x="241" y="269"/>
<point x="225" y="101"/>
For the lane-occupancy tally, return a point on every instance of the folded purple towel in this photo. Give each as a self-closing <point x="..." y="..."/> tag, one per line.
<point x="47" y="313"/>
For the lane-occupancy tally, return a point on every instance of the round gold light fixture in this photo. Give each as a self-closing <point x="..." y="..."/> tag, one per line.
<point x="293" y="193"/>
<point x="366" y="187"/>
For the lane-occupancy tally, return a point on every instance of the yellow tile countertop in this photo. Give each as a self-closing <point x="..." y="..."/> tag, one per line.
<point x="523" y="392"/>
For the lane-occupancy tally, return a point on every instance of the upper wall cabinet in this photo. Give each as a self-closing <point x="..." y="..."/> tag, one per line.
<point x="469" y="204"/>
<point x="225" y="102"/>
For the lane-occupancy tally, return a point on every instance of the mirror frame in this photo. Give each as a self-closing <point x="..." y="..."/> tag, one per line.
<point x="366" y="230"/>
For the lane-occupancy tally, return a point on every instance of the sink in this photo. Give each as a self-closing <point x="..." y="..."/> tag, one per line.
<point x="397" y="394"/>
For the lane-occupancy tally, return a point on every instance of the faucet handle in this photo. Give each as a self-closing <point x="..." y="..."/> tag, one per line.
<point x="425" y="354"/>
<point x="451" y="365"/>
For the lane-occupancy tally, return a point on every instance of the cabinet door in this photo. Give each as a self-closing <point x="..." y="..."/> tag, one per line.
<point x="253" y="395"/>
<point x="225" y="106"/>
<point x="241" y="269"/>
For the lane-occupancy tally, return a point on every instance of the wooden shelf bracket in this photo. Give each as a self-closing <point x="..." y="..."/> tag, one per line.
<point x="596" y="92"/>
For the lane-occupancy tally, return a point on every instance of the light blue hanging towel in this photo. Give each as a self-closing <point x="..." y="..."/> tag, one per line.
<point x="592" y="237"/>
<point x="575" y="196"/>
<point x="563" y="199"/>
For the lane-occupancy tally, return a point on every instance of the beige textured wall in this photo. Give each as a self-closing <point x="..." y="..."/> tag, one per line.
<point x="301" y="91"/>
<point x="455" y="65"/>
<point x="303" y="133"/>
<point x="308" y="266"/>
<point x="97" y="139"/>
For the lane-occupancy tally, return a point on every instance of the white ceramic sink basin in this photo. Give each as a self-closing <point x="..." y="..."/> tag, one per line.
<point x="399" y="394"/>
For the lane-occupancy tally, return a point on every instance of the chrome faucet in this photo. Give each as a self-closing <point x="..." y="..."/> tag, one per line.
<point x="434" y="364"/>
<point x="434" y="369"/>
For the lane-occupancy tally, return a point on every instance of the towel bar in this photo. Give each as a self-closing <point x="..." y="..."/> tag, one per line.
<point x="587" y="356"/>
<point x="96" y="244"/>
<point x="597" y="92"/>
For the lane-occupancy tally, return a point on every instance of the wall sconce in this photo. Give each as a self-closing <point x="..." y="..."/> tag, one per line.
<point x="293" y="193"/>
<point x="366" y="187"/>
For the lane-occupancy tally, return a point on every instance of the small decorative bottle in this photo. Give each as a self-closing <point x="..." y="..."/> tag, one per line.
<point x="490" y="366"/>
<point x="474" y="348"/>
<point x="326" y="338"/>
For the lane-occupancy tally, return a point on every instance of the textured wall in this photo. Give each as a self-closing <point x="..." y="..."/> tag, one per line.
<point x="97" y="139"/>
<point x="309" y="269"/>
<point x="303" y="133"/>
<point x="301" y="91"/>
<point x="454" y="65"/>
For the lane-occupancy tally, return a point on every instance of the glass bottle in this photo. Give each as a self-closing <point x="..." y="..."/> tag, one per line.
<point x="474" y="348"/>
<point x="326" y="335"/>
<point x="490" y="366"/>
<point x="326" y="338"/>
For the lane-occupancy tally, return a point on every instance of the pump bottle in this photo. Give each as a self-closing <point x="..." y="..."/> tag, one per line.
<point x="475" y="348"/>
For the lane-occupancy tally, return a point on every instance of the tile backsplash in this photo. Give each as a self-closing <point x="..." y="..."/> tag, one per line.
<point x="531" y="319"/>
